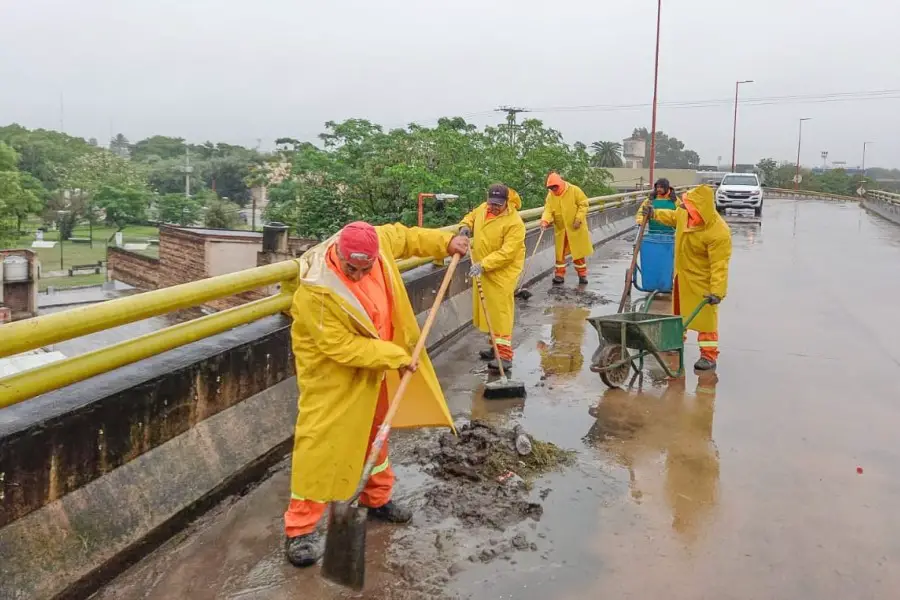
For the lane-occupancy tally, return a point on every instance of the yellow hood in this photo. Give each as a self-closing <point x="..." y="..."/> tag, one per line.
<point x="514" y="200"/>
<point x="704" y="200"/>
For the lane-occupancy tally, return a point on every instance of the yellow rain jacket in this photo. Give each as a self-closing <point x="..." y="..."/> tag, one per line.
<point x="562" y="211"/>
<point x="701" y="257"/>
<point x="341" y="363"/>
<point x="499" y="245"/>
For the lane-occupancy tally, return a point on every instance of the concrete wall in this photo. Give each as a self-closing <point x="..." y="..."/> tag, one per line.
<point x="93" y="476"/>
<point x="883" y="208"/>
<point x="132" y="268"/>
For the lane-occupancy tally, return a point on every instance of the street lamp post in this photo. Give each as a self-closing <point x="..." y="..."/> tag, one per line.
<point x="737" y="87"/>
<point x="864" y="160"/>
<point x="60" y="214"/>
<point x="799" y="140"/>
<point x="655" y="89"/>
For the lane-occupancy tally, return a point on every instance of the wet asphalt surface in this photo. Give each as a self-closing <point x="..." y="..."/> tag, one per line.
<point x="738" y="485"/>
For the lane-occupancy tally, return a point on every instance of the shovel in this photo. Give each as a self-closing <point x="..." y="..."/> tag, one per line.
<point x="522" y="292"/>
<point x="344" y="561"/>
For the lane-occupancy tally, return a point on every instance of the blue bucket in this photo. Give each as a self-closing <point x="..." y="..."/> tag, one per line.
<point x="656" y="263"/>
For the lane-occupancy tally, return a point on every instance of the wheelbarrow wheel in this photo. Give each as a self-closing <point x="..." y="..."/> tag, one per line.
<point x="610" y="354"/>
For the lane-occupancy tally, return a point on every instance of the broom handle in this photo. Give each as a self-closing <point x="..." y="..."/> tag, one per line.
<point x="385" y="428"/>
<point x="487" y="320"/>
<point x="629" y="275"/>
<point x="530" y="260"/>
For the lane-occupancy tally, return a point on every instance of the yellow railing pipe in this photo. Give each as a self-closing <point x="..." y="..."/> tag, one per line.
<point x="44" y="330"/>
<point x="52" y="376"/>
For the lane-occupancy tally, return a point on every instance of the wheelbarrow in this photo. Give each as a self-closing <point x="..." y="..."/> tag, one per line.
<point x="647" y="334"/>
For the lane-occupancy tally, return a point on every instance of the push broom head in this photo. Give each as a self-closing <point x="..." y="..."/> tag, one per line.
<point x="524" y="294"/>
<point x="344" y="561"/>
<point x="504" y="388"/>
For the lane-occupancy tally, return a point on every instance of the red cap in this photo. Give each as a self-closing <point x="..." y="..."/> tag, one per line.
<point x="358" y="243"/>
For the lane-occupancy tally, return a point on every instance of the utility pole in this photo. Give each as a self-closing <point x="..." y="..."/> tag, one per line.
<point x="655" y="90"/>
<point x="511" y="112"/>
<point x="737" y="87"/>
<point x="799" y="140"/>
<point x="188" y="169"/>
<point x="864" y="160"/>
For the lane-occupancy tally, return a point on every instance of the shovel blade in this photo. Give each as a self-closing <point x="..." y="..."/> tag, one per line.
<point x="344" y="561"/>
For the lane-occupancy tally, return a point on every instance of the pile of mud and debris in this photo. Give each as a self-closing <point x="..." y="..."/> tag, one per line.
<point x="485" y="474"/>
<point x="577" y="296"/>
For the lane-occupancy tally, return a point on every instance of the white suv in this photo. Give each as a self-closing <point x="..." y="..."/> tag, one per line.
<point x="741" y="191"/>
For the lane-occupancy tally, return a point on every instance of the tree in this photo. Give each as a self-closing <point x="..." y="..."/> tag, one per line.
<point x="17" y="190"/>
<point x="606" y="154"/>
<point x="90" y="172"/>
<point x="179" y="209"/>
<point x="123" y="205"/>
<point x="120" y="146"/>
<point x="766" y="170"/>
<point x="45" y="154"/>
<point x="670" y="151"/>
<point x="160" y="146"/>
<point x="220" y="214"/>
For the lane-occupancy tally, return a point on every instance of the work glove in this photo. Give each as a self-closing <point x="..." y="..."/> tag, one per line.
<point x="713" y="299"/>
<point x="476" y="270"/>
<point x="465" y="231"/>
<point x="576" y="224"/>
<point x="545" y="225"/>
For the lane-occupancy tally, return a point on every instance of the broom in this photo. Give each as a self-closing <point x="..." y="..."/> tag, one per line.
<point x="503" y="387"/>
<point x="344" y="561"/>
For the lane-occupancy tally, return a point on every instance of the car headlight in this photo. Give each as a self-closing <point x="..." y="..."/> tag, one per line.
<point x="756" y="194"/>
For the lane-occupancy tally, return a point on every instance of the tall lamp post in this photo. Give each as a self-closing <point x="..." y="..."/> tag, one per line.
<point x="60" y="215"/>
<point x="799" y="140"/>
<point x="864" y="160"/>
<point x="737" y="87"/>
<point x="655" y="89"/>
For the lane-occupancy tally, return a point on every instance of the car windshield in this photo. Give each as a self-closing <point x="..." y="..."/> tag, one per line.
<point x="740" y="180"/>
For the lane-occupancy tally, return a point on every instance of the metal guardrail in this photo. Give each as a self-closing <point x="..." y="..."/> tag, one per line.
<point x="41" y="331"/>
<point x="889" y="197"/>
<point x="810" y="194"/>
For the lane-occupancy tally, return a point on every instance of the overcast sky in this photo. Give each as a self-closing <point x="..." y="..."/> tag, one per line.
<point x="238" y="71"/>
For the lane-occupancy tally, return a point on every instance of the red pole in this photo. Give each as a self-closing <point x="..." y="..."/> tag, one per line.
<point x="655" y="89"/>
<point x="737" y="84"/>
<point x="421" y="209"/>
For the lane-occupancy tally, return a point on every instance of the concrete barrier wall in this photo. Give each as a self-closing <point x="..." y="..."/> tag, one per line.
<point x="884" y="208"/>
<point x="95" y="475"/>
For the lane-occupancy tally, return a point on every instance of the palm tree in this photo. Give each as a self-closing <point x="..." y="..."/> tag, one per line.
<point x="606" y="154"/>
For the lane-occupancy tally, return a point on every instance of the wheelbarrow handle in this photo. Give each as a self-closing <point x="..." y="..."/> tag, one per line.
<point x="696" y="312"/>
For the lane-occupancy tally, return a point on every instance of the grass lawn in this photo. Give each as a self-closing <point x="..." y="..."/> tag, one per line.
<point x="82" y="253"/>
<point x="68" y="282"/>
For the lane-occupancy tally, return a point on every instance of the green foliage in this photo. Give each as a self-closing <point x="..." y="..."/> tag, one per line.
<point x="219" y="214"/>
<point x="17" y="193"/>
<point x="366" y="173"/>
<point x="91" y="172"/>
<point x="159" y="146"/>
<point x="44" y="154"/>
<point x="606" y="154"/>
<point x="179" y="209"/>
<point x="766" y="169"/>
<point x="123" y="205"/>
<point x="670" y="151"/>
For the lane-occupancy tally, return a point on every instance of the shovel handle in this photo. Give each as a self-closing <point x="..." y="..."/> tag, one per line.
<point x="629" y="275"/>
<point x="385" y="428"/>
<point x="530" y="259"/>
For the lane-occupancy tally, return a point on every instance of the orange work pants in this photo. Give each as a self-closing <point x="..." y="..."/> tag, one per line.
<point x="303" y="515"/>
<point x="707" y="340"/>
<point x="580" y="263"/>
<point x="504" y="346"/>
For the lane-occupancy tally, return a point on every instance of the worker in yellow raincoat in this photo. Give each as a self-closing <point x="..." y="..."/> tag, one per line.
<point x="353" y="334"/>
<point x="498" y="256"/>
<point x="566" y="209"/>
<point x="702" y="254"/>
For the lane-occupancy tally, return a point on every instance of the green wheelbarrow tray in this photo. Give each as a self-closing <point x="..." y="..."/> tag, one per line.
<point x="647" y="334"/>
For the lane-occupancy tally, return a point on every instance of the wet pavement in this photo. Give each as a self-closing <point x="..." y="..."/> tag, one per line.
<point x="738" y="485"/>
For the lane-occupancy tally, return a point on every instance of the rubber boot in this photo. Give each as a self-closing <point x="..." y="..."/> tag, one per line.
<point x="493" y="366"/>
<point x="582" y="280"/>
<point x="557" y="280"/>
<point x="303" y="550"/>
<point x="704" y="364"/>
<point x="391" y="513"/>
<point x="486" y="354"/>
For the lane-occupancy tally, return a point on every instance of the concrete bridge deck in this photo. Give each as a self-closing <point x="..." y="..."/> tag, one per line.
<point x="747" y="491"/>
